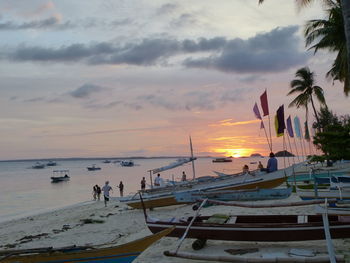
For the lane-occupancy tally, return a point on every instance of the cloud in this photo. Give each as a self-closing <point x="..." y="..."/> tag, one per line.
<point x="52" y="22"/>
<point x="167" y="9"/>
<point x="85" y="91"/>
<point x="266" y="52"/>
<point x="183" y="21"/>
<point x="37" y="99"/>
<point x="277" y="50"/>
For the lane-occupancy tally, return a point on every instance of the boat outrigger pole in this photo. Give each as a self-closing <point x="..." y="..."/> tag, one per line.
<point x="193" y="170"/>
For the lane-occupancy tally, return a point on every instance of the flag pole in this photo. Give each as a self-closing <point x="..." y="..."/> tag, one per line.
<point x="285" y="151"/>
<point x="290" y="146"/>
<point x="296" y="149"/>
<point x="270" y="131"/>
<point x="267" y="138"/>
<point x="193" y="170"/>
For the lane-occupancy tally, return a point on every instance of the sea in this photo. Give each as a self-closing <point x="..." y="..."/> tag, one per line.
<point x="25" y="191"/>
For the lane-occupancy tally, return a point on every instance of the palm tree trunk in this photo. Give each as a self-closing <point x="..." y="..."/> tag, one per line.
<point x="315" y="112"/>
<point x="346" y="16"/>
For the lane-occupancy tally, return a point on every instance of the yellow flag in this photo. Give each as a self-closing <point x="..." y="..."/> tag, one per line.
<point x="276" y="127"/>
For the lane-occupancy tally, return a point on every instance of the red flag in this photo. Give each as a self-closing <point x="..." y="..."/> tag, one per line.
<point x="264" y="104"/>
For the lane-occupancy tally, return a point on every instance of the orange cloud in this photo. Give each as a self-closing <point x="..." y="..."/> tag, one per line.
<point x="228" y="122"/>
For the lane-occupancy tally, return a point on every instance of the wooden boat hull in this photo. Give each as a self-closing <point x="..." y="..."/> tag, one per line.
<point x="235" y="195"/>
<point x="262" y="228"/>
<point x="322" y="194"/>
<point x="169" y="199"/>
<point x="120" y="254"/>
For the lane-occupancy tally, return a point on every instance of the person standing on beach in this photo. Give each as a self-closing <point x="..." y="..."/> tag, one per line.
<point x="143" y="184"/>
<point x="94" y="192"/>
<point x="183" y="176"/>
<point x="121" y="188"/>
<point x="106" y="188"/>
<point x="98" y="193"/>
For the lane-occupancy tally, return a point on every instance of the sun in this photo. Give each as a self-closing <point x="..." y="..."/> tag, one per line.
<point x="234" y="152"/>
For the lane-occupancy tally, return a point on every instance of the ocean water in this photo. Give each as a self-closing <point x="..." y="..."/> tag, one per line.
<point x="25" y="191"/>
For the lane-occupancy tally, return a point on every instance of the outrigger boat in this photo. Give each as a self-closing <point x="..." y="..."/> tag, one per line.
<point x="260" y="228"/>
<point x="118" y="254"/>
<point x="159" y="197"/>
<point x="235" y="195"/>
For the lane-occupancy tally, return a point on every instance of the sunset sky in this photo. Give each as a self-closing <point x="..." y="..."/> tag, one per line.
<point x="117" y="78"/>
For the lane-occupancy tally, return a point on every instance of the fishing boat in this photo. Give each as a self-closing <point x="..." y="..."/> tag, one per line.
<point x="222" y="160"/>
<point x="129" y="163"/>
<point x="338" y="194"/>
<point x="119" y="254"/>
<point x="262" y="228"/>
<point x="166" y="196"/>
<point x="93" y="168"/>
<point x="38" y="165"/>
<point x="234" y="195"/>
<point x="51" y="163"/>
<point x="60" y="176"/>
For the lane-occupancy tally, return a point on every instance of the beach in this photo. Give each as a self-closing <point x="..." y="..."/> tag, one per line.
<point x="118" y="224"/>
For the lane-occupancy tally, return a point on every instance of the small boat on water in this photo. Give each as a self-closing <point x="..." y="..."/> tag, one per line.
<point x="127" y="163"/>
<point x="93" y="168"/>
<point x="106" y="161"/>
<point x="234" y="195"/>
<point x="38" y="165"/>
<point x="60" y="176"/>
<point x="222" y="160"/>
<point x="51" y="163"/>
<point x="125" y="253"/>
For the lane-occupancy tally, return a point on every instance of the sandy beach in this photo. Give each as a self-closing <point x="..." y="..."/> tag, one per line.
<point x="117" y="224"/>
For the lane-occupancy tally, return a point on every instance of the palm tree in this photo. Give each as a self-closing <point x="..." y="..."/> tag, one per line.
<point x="330" y="35"/>
<point x="305" y="85"/>
<point x="345" y="7"/>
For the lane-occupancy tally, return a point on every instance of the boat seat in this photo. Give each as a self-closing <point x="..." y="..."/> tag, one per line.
<point x="232" y="220"/>
<point x="218" y="219"/>
<point x="302" y="219"/>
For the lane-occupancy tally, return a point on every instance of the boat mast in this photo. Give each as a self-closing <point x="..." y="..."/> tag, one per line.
<point x="193" y="170"/>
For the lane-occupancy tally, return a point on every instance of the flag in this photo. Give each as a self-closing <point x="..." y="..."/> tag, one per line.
<point x="256" y="111"/>
<point x="290" y="127"/>
<point x="262" y="125"/>
<point x="297" y="127"/>
<point x="280" y="120"/>
<point x="264" y="104"/>
<point x="276" y="127"/>
<point x="307" y="134"/>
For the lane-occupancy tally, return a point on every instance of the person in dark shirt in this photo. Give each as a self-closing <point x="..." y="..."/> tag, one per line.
<point x="272" y="164"/>
<point x="121" y="188"/>
<point x="143" y="183"/>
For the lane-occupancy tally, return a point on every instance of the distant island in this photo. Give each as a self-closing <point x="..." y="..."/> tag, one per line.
<point x="256" y="155"/>
<point x="284" y="154"/>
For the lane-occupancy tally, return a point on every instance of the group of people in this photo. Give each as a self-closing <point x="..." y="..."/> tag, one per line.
<point x="106" y="189"/>
<point x="272" y="165"/>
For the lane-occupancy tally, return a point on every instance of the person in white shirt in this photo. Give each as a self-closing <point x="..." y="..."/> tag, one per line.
<point x="106" y="188"/>
<point x="157" y="181"/>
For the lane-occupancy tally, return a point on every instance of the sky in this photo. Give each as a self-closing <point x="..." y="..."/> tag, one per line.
<point x="118" y="78"/>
